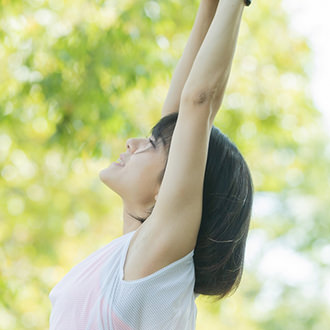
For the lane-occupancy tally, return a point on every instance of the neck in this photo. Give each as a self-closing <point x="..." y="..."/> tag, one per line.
<point x="129" y="223"/>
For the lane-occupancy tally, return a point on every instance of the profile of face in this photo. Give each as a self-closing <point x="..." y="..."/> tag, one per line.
<point x="136" y="180"/>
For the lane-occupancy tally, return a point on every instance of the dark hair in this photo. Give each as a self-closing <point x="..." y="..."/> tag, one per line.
<point x="226" y="213"/>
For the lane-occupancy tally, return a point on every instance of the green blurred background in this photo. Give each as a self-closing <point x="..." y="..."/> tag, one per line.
<point x="79" y="77"/>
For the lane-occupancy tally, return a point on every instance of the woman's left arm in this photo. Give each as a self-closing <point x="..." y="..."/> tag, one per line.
<point x="210" y="72"/>
<point x="171" y="231"/>
<point x="204" y="17"/>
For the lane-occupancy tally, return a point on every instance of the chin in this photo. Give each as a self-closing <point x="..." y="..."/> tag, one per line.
<point x="105" y="177"/>
<point x="109" y="180"/>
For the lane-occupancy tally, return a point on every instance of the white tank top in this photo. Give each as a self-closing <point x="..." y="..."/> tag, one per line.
<point x="94" y="296"/>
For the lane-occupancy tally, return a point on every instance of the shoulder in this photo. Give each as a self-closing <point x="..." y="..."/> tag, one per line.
<point x="163" y="299"/>
<point x="140" y="266"/>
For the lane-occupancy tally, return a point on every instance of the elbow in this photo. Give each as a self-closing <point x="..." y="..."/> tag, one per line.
<point x="198" y="96"/>
<point x="204" y="90"/>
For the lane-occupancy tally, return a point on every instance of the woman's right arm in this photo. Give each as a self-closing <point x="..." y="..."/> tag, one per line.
<point x="172" y="228"/>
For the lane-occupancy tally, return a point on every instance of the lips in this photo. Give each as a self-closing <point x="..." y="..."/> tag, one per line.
<point x="122" y="158"/>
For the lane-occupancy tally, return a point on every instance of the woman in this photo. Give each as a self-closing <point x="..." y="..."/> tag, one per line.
<point x="187" y="197"/>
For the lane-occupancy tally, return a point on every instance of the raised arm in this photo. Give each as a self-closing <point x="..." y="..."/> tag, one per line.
<point x="204" y="16"/>
<point x="171" y="231"/>
<point x="209" y="74"/>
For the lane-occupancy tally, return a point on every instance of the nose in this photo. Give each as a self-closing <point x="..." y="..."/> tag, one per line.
<point x="131" y="145"/>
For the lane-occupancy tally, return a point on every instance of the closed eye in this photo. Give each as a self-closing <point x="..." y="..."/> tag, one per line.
<point x="153" y="143"/>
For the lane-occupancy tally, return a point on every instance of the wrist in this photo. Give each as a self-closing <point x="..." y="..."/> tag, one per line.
<point x="245" y="2"/>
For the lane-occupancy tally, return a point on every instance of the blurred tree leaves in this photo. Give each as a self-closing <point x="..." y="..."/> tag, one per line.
<point x="78" y="78"/>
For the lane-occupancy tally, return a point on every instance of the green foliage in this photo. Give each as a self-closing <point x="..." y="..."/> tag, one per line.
<point x="78" y="78"/>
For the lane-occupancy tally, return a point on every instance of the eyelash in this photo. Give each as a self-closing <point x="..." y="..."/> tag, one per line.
<point x="152" y="142"/>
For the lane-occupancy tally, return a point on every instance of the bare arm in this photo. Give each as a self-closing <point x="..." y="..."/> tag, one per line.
<point x="204" y="16"/>
<point x="172" y="228"/>
<point x="210" y="71"/>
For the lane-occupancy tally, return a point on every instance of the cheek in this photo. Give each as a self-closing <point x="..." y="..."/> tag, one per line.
<point x="144" y="174"/>
<point x="143" y="171"/>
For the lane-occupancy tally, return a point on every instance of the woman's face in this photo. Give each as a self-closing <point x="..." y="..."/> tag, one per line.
<point x="137" y="180"/>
